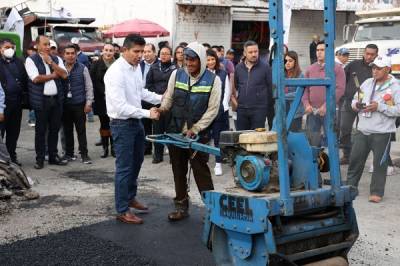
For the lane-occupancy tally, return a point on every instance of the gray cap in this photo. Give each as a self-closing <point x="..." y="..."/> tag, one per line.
<point x="189" y="53"/>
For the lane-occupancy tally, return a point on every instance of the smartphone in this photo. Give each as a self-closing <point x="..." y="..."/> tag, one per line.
<point x="361" y="106"/>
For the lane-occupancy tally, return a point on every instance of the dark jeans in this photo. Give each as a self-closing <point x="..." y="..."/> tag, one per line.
<point x="221" y="123"/>
<point x="74" y="115"/>
<point x="251" y="118"/>
<point x="362" y="145"/>
<point x="147" y="125"/>
<point x="11" y="128"/>
<point x="160" y="127"/>
<point x="128" y="136"/>
<point x="202" y="175"/>
<point x="47" y="120"/>
<point x="347" y="117"/>
<point x="314" y="126"/>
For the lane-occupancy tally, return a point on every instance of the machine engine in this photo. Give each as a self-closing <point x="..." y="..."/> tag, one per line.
<point x="253" y="155"/>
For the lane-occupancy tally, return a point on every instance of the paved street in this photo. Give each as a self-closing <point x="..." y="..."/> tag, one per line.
<point x="73" y="222"/>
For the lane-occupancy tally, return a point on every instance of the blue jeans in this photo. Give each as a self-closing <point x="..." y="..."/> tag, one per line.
<point x="128" y="136"/>
<point x="314" y="125"/>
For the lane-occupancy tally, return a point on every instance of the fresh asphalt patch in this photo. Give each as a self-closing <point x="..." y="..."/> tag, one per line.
<point x="156" y="242"/>
<point x="91" y="176"/>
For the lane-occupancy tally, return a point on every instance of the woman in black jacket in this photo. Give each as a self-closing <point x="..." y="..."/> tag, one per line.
<point x="97" y="72"/>
<point x="157" y="81"/>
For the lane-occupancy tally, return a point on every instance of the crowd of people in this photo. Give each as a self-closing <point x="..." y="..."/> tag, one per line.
<point x="136" y="90"/>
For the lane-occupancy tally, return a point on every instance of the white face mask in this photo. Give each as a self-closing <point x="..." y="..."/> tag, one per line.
<point x="9" y="53"/>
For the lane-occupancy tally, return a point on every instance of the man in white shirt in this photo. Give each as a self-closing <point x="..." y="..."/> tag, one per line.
<point x="124" y="93"/>
<point x="46" y="95"/>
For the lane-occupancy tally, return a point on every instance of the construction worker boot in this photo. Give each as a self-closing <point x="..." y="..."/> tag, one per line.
<point x="181" y="210"/>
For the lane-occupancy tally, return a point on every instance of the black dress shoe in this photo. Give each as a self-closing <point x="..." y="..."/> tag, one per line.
<point x="38" y="165"/>
<point x="57" y="161"/>
<point x="15" y="161"/>
<point x="156" y="161"/>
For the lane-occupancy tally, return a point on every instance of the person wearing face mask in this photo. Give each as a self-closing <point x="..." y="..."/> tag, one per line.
<point x="157" y="81"/>
<point x="221" y="122"/>
<point x="97" y="72"/>
<point x="14" y="80"/>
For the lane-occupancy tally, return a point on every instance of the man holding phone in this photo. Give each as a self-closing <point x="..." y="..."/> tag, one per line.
<point x="378" y="105"/>
<point x="363" y="71"/>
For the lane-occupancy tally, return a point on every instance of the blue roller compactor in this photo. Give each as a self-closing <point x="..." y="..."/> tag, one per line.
<point x="280" y="212"/>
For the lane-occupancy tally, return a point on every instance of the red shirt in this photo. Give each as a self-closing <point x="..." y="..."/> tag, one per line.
<point x="315" y="95"/>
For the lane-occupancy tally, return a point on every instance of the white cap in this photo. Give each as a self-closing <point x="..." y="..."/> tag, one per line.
<point x="53" y="44"/>
<point x="381" y="61"/>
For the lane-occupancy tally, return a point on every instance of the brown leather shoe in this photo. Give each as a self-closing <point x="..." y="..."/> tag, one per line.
<point x="129" y="218"/>
<point x="178" y="215"/>
<point x="375" y="199"/>
<point x="139" y="206"/>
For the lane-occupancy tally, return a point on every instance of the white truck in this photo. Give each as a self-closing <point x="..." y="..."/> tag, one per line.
<point x="380" y="27"/>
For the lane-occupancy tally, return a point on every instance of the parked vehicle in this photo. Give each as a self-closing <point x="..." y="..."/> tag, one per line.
<point x="62" y="30"/>
<point x="381" y="27"/>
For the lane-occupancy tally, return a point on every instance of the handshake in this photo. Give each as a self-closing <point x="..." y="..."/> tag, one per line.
<point x="155" y="113"/>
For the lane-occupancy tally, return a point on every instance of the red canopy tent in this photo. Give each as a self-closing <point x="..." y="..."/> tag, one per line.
<point x="141" y="27"/>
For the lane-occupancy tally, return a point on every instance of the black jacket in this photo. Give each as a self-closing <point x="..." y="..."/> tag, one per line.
<point x="254" y="87"/>
<point x="313" y="53"/>
<point x="158" y="76"/>
<point x="97" y="72"/>
<point x="20" y="78"/>
<point x="363" y="71"/>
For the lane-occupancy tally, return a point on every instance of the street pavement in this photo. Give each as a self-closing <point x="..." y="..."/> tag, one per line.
<point x="73" y="222"/>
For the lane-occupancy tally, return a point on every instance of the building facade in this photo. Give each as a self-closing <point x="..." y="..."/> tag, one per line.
<point x="222" y="22"/>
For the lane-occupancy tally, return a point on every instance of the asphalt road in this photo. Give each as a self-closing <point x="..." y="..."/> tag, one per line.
<point x="156" y="242"/>
<point x="73" y="223"/>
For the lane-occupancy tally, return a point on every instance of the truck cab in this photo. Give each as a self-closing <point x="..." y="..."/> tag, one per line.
<point x="64" y="31"/>
<point x="380" y="27"/>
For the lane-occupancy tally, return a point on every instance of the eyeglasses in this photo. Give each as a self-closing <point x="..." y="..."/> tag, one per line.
<point x="165" y="54"/>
